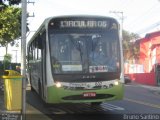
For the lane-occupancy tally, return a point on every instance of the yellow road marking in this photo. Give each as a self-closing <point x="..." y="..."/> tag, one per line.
<point x="143" y="103"/>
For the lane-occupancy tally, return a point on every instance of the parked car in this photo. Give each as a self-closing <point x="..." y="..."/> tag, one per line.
<point x="127" y="79"/>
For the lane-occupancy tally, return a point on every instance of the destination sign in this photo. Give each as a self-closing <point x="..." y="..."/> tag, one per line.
<point x="83" y="24"/>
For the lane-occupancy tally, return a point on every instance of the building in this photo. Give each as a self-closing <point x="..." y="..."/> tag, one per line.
<point x="149" y="60"/>
<point x="150" y="51"/>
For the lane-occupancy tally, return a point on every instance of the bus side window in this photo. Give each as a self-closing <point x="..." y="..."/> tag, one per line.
<point x="30" y="53"/>
<point x="39" y="42"/>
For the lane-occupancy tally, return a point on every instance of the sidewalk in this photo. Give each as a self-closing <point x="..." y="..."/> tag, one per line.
<point x="155" y="88"/>
<point x="31" y="112"/>
<point x="34" y="114"/>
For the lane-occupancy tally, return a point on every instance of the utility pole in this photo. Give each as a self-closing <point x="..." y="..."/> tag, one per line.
<point x="23" y="56"/>
<point x="122" y="18"/>
<point x="121" y="39"/>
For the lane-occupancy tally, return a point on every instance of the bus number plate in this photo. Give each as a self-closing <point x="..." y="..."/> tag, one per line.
<point x="89" y="94"/>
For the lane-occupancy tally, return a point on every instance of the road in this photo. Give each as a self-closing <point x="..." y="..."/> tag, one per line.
<point x="138" y="103"/>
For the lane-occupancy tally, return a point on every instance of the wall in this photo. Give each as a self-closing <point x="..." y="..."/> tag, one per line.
<point x="143" y="78"/>
<point x="149" y="51"/>
<point x="149" y="57"/>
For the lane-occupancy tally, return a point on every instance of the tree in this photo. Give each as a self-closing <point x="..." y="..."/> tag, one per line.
<point x="11" y="2"/>
<point x="130" y="49"/>
<point x="10" y="25"/>
<point x="7" y="61"/>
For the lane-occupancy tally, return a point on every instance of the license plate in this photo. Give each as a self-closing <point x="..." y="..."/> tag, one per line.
<point x="89" y="94"/>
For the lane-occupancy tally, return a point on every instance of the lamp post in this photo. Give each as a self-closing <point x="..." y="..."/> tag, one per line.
<point x="23" y="56"/>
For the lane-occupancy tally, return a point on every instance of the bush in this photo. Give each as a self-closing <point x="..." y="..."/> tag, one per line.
<point x="9" y="66"/>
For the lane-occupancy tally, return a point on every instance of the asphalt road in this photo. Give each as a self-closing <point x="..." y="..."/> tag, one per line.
<point x="138" y="103"/>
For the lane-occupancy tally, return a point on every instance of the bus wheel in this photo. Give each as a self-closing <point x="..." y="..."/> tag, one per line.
<point x="95" y="103"/>
<point x="32" y="89"/>
<point x="39" y="89"/>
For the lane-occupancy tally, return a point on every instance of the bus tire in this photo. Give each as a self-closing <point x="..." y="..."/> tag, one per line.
<point x="29" y="78"/>
<point x="32" y="89"/>
<point x="39" y="89"/>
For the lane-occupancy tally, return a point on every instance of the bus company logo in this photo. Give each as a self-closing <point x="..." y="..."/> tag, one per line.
<point x="88" y="76"/>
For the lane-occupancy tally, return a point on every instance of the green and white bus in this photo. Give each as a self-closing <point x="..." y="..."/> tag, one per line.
<point x="77" y="59"/>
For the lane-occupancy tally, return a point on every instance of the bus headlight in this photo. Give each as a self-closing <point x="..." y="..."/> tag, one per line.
<point x="58" y="85"/>
<point x="116" y="83"/>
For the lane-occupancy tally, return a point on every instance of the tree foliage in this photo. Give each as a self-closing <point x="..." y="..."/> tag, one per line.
<point x="10" y="25"/>
<point x="7" y="60"/>
<point x="11" y="2"/>
<point x="130" y="49"/>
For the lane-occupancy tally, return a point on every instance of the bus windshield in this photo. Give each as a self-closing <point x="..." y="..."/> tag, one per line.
<point x="89" y="52"/>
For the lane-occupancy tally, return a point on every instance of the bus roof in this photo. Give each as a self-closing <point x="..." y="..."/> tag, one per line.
<point x="47" y="20"/>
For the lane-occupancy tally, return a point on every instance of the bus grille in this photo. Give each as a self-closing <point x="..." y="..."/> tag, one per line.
<point x="80" y="97"/>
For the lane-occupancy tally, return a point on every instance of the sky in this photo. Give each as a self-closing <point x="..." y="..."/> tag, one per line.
<point x="139" y="16"/>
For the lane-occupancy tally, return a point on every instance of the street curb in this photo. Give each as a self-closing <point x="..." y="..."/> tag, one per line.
<point x="150" y="87"/>
<point x="154" y="88"/>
